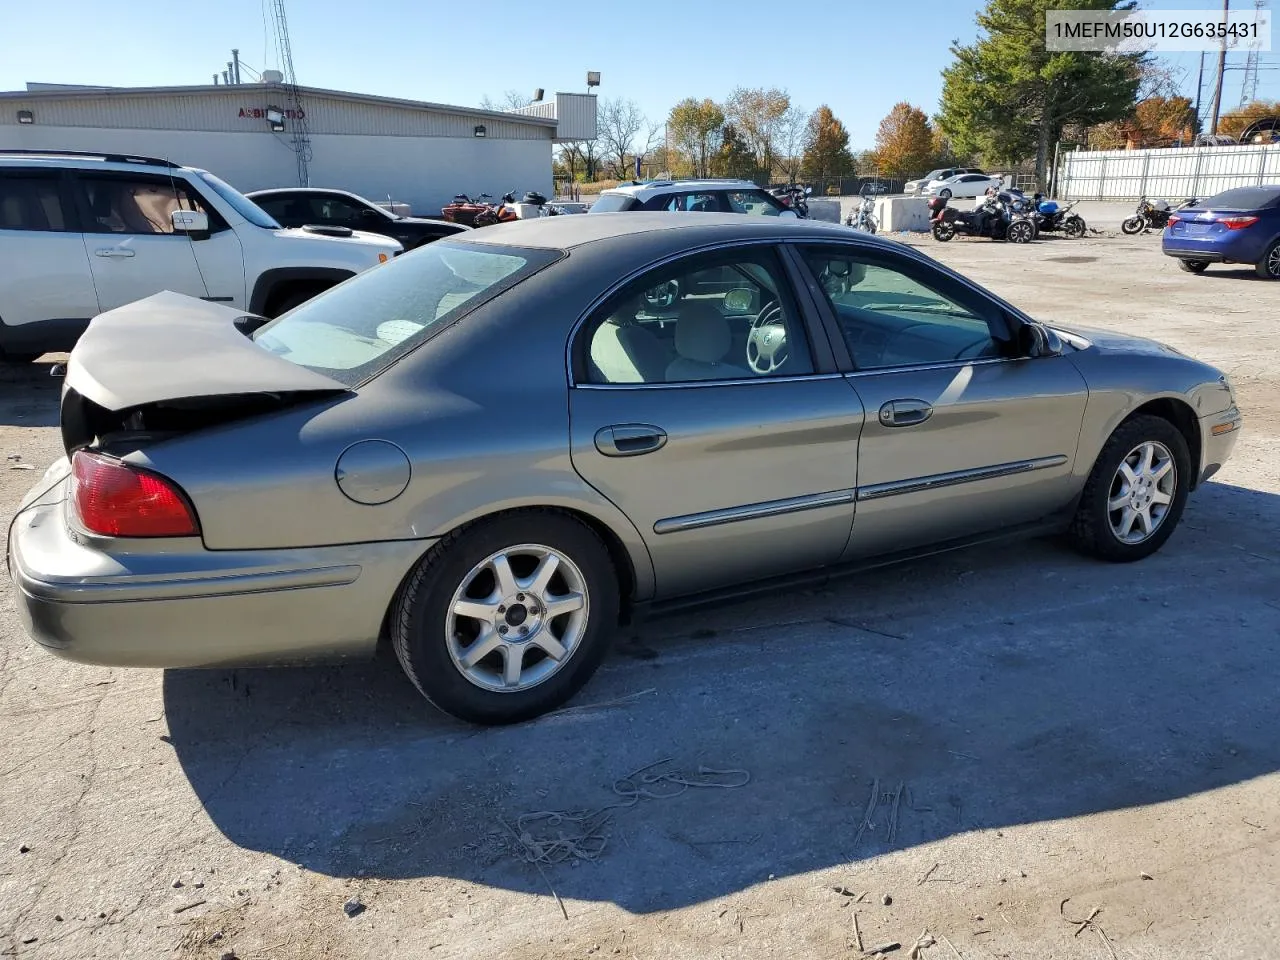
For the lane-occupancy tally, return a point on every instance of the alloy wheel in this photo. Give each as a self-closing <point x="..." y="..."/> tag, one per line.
<point x="517" y="618"/>
<point x="1141" y="492"/>
<point x="1273" y="261"/>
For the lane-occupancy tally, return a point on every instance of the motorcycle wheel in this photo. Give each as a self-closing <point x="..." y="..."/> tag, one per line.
<point x="1074" y="227"/>
<point x="871" y="225"/>
<point x="942" y="232"/>
<point x="1021" y="231"/>
<point x="1133" y="225"/>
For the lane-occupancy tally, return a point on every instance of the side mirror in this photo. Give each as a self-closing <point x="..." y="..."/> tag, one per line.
<point x="1037" y="341"/>
<point x="190" y="222"/>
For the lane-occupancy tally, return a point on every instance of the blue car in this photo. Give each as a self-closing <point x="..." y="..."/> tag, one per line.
<point x="1236" y="226"/>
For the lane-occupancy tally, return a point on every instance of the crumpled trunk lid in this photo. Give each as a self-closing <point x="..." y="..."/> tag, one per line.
<point x="171" y="364"/>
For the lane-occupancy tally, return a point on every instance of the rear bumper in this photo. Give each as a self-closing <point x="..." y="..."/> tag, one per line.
<point x="178" y="605"/>
<point x="1218" y="436"/>
<point x="1235" y="246"/>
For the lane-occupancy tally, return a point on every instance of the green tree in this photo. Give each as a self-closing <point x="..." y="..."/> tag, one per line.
<point x="826" y="146"/>
<point x="694" y="130"/>
<point x="904" y="142"/>
<point x="734" y="158"/>
<point x="1008" y="98"/>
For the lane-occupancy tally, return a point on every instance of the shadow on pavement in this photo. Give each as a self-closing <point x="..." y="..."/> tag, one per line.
<point x="28" y="394"/>
<point x="1003" y="686"/>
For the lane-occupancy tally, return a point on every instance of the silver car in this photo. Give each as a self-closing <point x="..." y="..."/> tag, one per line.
<point x="493" y="449"/>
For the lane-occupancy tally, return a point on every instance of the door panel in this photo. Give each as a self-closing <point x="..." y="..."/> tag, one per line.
<point x="996" y="449"/>
<point x="751" y="480"/>
<point x="221" y="260"/>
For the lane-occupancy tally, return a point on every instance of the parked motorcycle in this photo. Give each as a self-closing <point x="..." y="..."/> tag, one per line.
<point x="1153" y="215"/>
<point x="502" y="212"/>
<point x="864" y="219"/>
<point x="794" y="197"/>
<point x="996" y="219"/>
<point x="464" y="209"/>
<point x="1053" y="217"/>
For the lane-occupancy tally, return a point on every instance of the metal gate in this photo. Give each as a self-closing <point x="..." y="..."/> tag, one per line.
<point x="1169" y="173"/>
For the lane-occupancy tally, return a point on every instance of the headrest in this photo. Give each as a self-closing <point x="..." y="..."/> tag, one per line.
<point x="702" y="334"/>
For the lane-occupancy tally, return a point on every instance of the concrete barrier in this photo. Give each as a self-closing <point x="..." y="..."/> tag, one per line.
<point x="825" y="209"/>
<point x="893" y="213"/>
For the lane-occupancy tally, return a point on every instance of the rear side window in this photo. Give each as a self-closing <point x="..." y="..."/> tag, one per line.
<point x="753" y="202"/>
<point x="360" y="327"/>
<point x="613" y="203"/>
<point x="31" y="202"/>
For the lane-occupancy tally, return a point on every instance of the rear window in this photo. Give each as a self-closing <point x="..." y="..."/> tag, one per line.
<point x="613" y="203"/>
<point x="1244" y="198"/>
<point x="360" y="327"/>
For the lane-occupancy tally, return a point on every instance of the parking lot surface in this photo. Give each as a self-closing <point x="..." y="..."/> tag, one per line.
<point x="981" y="750"/>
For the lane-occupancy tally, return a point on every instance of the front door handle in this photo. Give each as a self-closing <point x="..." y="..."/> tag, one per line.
<point x="630" y="439"/>
<point x="905" y="413"/>
<point x="113" y="252"/>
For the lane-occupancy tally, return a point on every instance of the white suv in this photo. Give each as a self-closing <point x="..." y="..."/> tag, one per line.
<point x="702" y="196"/>
<point x="84" y="233"/>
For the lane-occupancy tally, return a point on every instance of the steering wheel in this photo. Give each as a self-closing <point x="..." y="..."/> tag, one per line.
<point x="767" y="341"/>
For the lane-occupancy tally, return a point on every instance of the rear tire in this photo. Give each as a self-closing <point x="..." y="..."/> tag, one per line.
<point x="1094" y="531"/>
<point x="1074" y="227"/>
<point x="1193" y="266"/>
<point x="1269" y="266"/>
<point x="439" y="646"/>
<point x="942" y="232"/>
<point x="1133" y="225"/>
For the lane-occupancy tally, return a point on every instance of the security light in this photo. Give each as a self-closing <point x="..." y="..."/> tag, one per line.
<point x="479" y="129"/>
<point x="26" y="116"/>
<point x="275" y="119"/>
<point x="593" y="78"/>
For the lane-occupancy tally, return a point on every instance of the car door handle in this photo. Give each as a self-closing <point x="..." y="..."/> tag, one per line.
<point x="630" y="439"/>
<point x="113" y="252"/>
<point x="905" y="413"/>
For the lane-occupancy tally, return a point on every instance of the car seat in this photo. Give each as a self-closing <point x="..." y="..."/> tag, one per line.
<point x="703" y="337"/>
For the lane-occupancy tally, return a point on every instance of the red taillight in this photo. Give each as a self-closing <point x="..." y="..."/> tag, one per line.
<point x="115" y="499"/>
<point x="1173" y="220"/>
<point x="1238" y="223"/>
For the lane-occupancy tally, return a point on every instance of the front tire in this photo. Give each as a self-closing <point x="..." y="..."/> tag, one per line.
<point x="1021" y="231"/>
<point x="1074" y="227"/>
<point x="1133" y="225"/>
<point x="945" y="194"/>
<point x="1193" y="266"/>
<point x="1269" y="266"/>
<point x="508" y="618"/>
<point x="1136" y="493"/>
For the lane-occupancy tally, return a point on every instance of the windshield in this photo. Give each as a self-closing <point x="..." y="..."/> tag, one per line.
<point x="613" y="203"/>
<point x="361" y="326"/>
<point x="239" y="202"/>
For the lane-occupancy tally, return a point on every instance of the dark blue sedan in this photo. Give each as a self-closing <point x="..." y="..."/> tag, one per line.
<point x="1236" y="226"/>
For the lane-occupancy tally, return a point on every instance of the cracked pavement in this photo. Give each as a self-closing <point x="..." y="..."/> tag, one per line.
<point x="1065" y="729"/>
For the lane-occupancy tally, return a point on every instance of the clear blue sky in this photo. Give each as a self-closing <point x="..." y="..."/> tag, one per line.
<point x="858" y="56"/>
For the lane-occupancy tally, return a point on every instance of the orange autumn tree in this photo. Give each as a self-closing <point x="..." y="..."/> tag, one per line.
<point x="904" y="142"/>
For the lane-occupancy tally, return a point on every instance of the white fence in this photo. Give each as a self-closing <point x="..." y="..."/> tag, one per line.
<point x="1174" y="173"/>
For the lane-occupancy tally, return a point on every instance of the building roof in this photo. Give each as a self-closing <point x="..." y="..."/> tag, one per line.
<point x="59" y="92"/>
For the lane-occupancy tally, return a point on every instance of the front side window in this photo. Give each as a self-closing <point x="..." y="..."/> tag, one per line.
<point x="894" y="312"/>
<point x="754" y="202"/>
<point x="31" y="202"/>
<point x="690" y="202"/>
<point x="239" y="202"/>
<point x="337" y="210"/>
<point x="709" y="317"/>
<point x="127" y="204"/>
<point x="363" y="325"/>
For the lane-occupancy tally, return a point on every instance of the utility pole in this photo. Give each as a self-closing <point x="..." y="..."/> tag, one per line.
<point x="1222" y="67"/>
<point x="1199" y="92"/>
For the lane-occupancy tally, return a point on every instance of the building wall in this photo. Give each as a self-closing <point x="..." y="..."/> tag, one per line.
<point x="424" y="172"/>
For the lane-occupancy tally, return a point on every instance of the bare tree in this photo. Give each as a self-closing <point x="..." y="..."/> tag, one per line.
<point x="510" y="100"/>
<point x="624" y="132"/>
<point x="792" y="128"/>
<point x="758" y="114"/>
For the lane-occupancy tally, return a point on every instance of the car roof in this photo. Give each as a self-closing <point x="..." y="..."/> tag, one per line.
<point x="646" y="189"/>
<point x="271" y="190"/>
<point x="685" y="230"/>
<point x="84" y="160"/>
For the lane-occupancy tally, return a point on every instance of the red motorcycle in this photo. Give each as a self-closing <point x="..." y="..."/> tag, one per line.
<point x="466" y="210"/>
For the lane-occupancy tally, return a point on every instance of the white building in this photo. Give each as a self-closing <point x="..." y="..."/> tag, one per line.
<point x="263" y="135"/>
